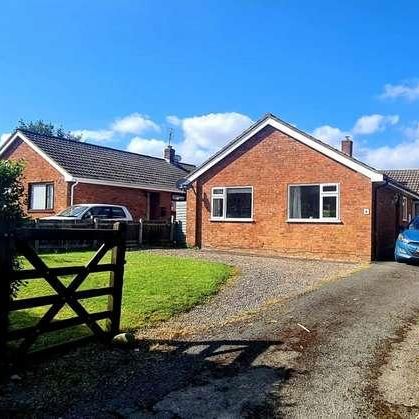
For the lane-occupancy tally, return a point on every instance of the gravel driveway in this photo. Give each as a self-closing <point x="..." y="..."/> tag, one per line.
<point x="260" y="282"/>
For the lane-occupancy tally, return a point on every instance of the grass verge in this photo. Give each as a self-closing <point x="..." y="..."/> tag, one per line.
<point x="155" y="288"/>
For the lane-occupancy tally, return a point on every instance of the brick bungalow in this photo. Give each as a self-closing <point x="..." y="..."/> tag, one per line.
<point x="276" y="189"/>
<point x="61" y="172"/>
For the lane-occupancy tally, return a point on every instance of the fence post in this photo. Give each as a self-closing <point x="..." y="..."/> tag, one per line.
<point x="116" y="281"/>
<point x="96" y="227"/>
<point x="140" y="232"/>
<point x="6" y="269"/>
<point x="36" y="242"/>
<point x="172" y="229"/>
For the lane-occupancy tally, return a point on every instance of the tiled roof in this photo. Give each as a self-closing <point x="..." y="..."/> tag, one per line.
<point x="90" y="161"/>
<point x="406" y="177"/>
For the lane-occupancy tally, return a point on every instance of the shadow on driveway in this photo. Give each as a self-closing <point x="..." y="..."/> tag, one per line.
<point x="156" y="377"/>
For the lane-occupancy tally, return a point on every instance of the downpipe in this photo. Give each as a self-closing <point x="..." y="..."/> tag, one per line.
<point x="73" y="186"/>
<point x="375" y="212"/>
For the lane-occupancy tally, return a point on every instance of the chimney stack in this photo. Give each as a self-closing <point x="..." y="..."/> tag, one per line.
<point x="170" y="154"/>
<point x="347" y="146"/>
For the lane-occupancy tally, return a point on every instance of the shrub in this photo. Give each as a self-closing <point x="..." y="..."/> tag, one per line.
<point x="11" y="190"/>
<point x="11" y="201"/>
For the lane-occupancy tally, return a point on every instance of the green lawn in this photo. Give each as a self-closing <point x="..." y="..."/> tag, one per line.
<point x="155" y="288"/>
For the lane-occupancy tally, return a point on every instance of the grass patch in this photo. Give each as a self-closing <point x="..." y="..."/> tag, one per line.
<point x="155" y="288"/>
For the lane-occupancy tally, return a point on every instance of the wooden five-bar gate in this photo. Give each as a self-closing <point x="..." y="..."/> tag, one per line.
<point x="19" y="240"/>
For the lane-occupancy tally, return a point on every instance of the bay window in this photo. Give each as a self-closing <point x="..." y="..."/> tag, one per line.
<point x="41" y="196"/>
<point x="317" y="202"/>
<point x="232" y="203"/>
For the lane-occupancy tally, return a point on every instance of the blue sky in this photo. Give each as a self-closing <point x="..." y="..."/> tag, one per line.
<point x="116" y="70"/>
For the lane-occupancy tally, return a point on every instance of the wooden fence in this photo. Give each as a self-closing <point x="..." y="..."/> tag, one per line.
<point x="18" y="240"/>
<point x="138" y="234"/>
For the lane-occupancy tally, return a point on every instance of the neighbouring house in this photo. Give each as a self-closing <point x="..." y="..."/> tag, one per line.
<point x="276" y="189"/>
<point x="408" y="178"/>
<point x="61" y="172"/>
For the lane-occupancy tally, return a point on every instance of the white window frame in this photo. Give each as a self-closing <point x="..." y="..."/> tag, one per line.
<point x="223" y="196"/>
<point x="45" y="184"/>
<point x="322" y="194"/>
<point x="405" y="209"/>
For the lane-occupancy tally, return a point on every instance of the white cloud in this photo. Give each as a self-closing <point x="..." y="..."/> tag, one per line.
<point x="365" y="125"/>
<point x="404" y="155"/>
<point x="151" y="147"/>
<point x="412" y="132"/>
<point x="204" y="135"/>
<point x="4" y="137"/>
<point x="408" y="90"/>
<point x="134" y="124"/>
<point x="401" y="155"/>
<point x="174" y="120"/>
<point x="201" y="136"/>
<point x="99" y="135"/>
<point x="330" y="135"/>
<point x="370" y="124"/>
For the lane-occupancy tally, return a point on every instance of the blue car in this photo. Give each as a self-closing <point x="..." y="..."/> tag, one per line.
<point x="407" y="244"/>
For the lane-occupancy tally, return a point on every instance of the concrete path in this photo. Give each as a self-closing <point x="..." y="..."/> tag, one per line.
<point x="356" y="321"/>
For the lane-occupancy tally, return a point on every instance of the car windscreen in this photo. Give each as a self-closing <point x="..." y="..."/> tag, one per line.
<point x="414" y="225"/>
<point x="73" y="211"/>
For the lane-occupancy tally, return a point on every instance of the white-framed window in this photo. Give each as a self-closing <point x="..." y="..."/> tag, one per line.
<point x="41" y="196"/>
<point x="314" y="202"/>
<point x="232" y="203"/>
<point x="405" y="212"/>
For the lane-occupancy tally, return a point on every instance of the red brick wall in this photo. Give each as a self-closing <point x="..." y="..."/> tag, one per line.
<point x="270" y="162"/>
<point x="39" y="170"/>
<point x="134" y="199"/>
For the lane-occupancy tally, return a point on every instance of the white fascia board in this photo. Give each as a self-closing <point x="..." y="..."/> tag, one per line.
<point x="373" y="175"/>
<point x="124" y="185"/>
<point x="67" y="176"/>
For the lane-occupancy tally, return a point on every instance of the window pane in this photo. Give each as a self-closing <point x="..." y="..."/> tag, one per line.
<point x="38" y="197"/>
<point x="218" y="191"/>
<point x="329" y="188"/>
<point x="405" y="209"/>
<point x="217" y="207"/>
<point x="101" y="212"/>
<point x="106" y="212"/>
<point x="49" y="196"/>
<point x="118" y="213"/>
<point x="304" y="202"/>
<point x="239" y="203"/>
<point x="329" y="207"/>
